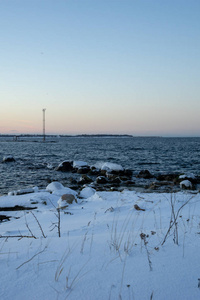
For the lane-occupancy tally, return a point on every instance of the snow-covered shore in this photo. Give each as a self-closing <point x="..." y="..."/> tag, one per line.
<point x="112" y="245"/>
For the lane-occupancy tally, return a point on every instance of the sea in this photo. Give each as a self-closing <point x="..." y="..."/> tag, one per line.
<point x="35" y="160"/>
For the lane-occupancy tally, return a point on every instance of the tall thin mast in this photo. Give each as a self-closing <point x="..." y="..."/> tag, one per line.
<point x="44" y="124"/>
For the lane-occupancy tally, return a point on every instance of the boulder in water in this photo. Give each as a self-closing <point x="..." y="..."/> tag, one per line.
<point x="79" y="163"/>
<point x="65" y="166"/>
<point x="83" y="170"/>
<point x="85" y="179"/>
<point x="145" y="174"/>
<point x="8" y="158"/>
<point x="101" y="180"/>
<point x="167" y="177"/>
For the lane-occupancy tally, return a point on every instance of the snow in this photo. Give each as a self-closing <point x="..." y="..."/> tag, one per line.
<point x="58" y="189"/>
<point x="108" y="166"/>
<point x="87" y="192"/>
<point x="54" y="186"/>
<point x="78" y="164"/>
<point x="108" y="249"/>
<point x="187" y="175"/>
<point x="24" y="191"/>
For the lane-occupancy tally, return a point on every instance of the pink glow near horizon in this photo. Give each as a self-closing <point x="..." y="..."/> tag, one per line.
<point x="119" y="67"/>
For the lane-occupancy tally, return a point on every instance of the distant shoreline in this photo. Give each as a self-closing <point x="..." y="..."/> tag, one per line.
<point x="65" y="135"/>
<point x="16" y="136"/>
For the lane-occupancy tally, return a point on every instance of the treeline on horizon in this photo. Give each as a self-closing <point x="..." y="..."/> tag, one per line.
<point x="65" y="135"/>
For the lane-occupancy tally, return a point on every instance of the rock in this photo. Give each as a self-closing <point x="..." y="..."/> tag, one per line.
<point x="65" y="166"/>
<point x="78" y="164"/>
<point x="72" y="180"/>
<point x="117" y="172"/>
<point x="103" y="173"/>
<point x="58" y="189"/>
<point x="124" y="178"/>
<point x="128" y="173"/>
<point x="85" y="179"/>
<point x="55" y="185"/>
<point x="8" y="158"/>
<point x="74" y="188"/>
<point x="83" y="170"/>
<point x="188" y="176"/>
<point x="112" y="167"/>
<point x="130" y="182"/>
<point x="166" y="185"/>
<point x="101" y="180"/>
<point x="94" y="171"/>
<point x="110" y="176"/>
<point x="167" y="177"/>
<point x="116" y="180"/>
<point x="65" y="200"/>
<point x="87" y="192"/>
<point x="186" y="184"/>
<point x="145" y="174"/>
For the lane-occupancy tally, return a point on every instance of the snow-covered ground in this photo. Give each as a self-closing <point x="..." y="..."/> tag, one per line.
<point x="112" y="245"/>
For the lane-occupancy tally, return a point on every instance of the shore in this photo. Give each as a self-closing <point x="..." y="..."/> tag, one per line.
<point x="99" y="244"/>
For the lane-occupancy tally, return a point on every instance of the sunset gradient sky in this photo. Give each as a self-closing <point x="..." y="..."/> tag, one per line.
<point x="100" y="66"/>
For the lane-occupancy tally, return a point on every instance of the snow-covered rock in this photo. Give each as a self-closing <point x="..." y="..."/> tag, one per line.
<point x="65" y="166"/>
<point x="101" y="180"/>
<point x="78" y="164"/>
<point x="58" y="189"/>
<point x="112" y="167"/>
<point x="65" y="200"/>
<point x="84" y="179"/>
<point x="186" y="184"/>
<point x="54" y="186"/>
<point x="87" y="192"/>
<point x="187" y="175"/>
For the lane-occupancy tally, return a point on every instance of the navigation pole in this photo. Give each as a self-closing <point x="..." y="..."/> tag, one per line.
<point x="44" y="124"/>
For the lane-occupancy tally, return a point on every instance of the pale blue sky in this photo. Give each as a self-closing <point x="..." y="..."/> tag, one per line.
<point x="100" y="66"/>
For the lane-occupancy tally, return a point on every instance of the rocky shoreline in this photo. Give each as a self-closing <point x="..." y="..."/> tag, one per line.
<point x="107" y="176"/>
<point x="82" y="178"/>
<point x="113" y="177"/>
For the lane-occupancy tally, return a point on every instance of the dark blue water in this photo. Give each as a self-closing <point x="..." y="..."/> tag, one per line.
<point x="158" y="155"/>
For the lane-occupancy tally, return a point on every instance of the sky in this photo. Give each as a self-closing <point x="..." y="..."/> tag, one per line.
<point x="100" y="66"/>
